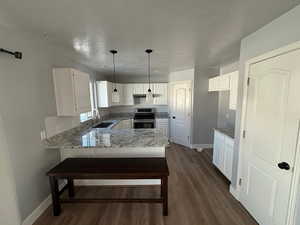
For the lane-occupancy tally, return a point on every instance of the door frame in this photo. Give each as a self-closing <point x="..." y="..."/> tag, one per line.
<point x="295" y="183"/>
<point x="191" y="84"/>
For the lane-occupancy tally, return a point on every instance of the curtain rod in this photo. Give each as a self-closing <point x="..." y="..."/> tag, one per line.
<point x="17" y="55"/>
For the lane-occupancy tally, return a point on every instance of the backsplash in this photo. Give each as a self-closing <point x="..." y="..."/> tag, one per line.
<point x="131" y="109"/>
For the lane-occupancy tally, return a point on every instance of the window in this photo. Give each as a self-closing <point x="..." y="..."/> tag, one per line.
<point x="89" y="115"/>
<point x="86" y="116"/>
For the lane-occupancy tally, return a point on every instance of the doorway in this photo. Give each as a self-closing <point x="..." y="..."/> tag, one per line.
<point x="271" y="125"/>
<point x="181" y="112"/>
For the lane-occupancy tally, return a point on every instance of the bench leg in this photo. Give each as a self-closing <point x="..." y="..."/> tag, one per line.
<point x="71" y="187"/>
<point x="164" y="194"/>
<point x="55" y="196"/>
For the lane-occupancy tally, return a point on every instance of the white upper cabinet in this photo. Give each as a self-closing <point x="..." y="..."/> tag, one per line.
<point x="127" y="92"/>
<point x="213" y="84"/>
<point x="72" y="91"/>
<point x="234" y="80"/>
<point x="226" y="82"/>
<point x="139" y="89"/>
<point x="160" y="91"/>
<point x="104" y="94"/>
<point x="219" y="83"/>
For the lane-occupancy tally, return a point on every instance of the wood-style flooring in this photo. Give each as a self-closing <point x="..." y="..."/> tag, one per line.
<point x="198" y="194"/>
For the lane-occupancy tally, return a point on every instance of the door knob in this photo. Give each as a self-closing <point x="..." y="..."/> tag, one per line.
<point x="284" y="166"/>
<point x="174" y="117"/>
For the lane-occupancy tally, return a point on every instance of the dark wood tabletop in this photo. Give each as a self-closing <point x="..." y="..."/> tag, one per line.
<point x="111" y="167"/>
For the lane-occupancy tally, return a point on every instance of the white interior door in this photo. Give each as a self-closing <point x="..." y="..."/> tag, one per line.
<point x="180" y="96"/>
<point x="272" y="123"/>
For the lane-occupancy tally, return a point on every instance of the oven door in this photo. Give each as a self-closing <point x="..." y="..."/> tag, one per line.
<point x="143" y="125"/>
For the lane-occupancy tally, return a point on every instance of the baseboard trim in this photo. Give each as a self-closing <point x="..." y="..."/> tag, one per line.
<point x="200" y="147"/>
<point x="40" y="209"/>
<point x="235" y="192"/>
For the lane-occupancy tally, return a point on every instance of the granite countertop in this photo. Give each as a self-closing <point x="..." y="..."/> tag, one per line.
<point x="89" y="137"/>
<point x="227" y="131"/>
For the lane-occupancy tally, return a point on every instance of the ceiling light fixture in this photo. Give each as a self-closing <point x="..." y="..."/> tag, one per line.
<point x="149" y="96"/>
<point x="115" y="93"/>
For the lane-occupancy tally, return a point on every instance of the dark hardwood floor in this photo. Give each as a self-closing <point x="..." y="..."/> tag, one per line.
<point x="198" y="194"/>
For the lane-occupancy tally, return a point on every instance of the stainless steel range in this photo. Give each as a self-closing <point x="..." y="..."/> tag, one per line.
<point x="144" y="118"/>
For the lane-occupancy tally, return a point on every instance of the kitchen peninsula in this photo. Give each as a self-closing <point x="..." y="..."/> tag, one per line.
<point x="118" y="140"/>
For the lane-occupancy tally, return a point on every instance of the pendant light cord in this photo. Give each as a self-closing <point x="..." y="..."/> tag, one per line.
<point x="114" y="71"/>
<point x="113" y="52"/>
<point x="149" y="72"/>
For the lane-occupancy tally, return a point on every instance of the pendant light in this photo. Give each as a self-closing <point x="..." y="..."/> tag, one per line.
<point x="149" y="95"/>
<point x="115" y="93"/>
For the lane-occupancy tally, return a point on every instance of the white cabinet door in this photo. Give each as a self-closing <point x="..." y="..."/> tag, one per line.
<point x="218" y="155"/>
<point x="104" y="89"/>
<point x="216" y="150"/>
<point x="81" y="91"/>
<point x="160" y="91"/>
<point x="128" y="94"/>
<point x="163" y="125"/>
<point x="139" y="89"/>
<point x="213" y="84"/>
<point x="219" y="83"/>
<point x="223" y="153"/>
<point x="224" y="82"/>
<point x="72" y="91"/>
<point x="234" y="79"/>
<point x="228" y="157"/>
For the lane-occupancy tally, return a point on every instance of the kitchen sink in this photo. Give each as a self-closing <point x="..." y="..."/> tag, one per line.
<point x="103" y="125"/>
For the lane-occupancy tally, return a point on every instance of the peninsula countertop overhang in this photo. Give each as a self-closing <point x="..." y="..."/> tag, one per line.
<point x="108" y="138"/>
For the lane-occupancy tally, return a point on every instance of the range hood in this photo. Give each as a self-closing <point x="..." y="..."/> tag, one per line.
<point x="140" y="99"/>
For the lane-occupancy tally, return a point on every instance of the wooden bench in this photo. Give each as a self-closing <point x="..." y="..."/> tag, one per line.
<point x="108" y="168"/>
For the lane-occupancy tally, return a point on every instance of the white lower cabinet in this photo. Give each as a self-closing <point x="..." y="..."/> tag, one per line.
<point x="223" y="153"/>
<point x="163" y="125"/>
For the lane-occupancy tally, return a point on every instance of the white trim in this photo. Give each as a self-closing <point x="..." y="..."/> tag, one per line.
<point x="40" y="209"/>
<point x="201" y="147"/>
<point x="291" y="218"/>
<point x="294" y="186"/>
<point x="235" y="192"/>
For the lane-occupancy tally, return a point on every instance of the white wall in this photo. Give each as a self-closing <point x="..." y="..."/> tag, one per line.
<point x="280" y="32"/>
<point x="205" y="108"/>
<point x="9" y="211"/>
<point x="26" y="99"/>
<point x="182" y="75"/>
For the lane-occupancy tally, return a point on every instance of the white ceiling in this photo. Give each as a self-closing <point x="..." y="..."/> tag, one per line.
<point x="183" y="33"/>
